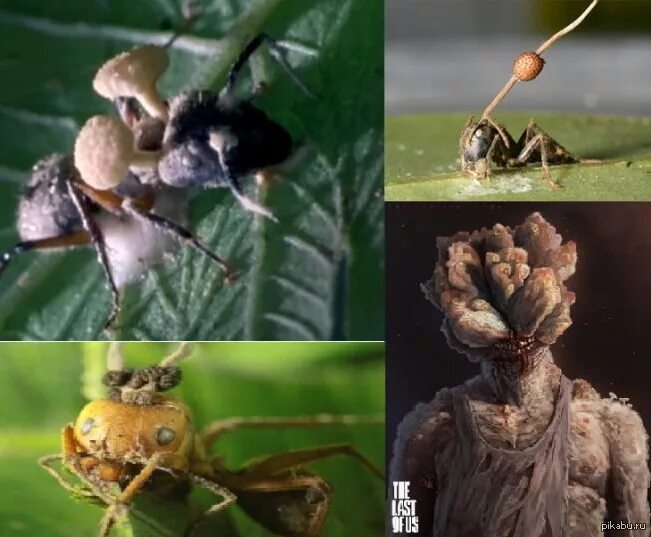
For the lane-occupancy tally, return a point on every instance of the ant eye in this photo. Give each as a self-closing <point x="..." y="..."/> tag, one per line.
<point x="165" y="435"/>
<point x="88" y="424"/>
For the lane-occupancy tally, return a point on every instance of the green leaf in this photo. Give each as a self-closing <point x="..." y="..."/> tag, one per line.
<point x="220" y="380"/>
<point x="316" y="275"/>
<point x="422" y="160"/>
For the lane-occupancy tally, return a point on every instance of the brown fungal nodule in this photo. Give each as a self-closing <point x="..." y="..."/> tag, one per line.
<point x="527" y="66"/>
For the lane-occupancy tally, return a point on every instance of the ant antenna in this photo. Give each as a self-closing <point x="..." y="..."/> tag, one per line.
<point x="191" y="9"/>
<point x="276" y="50"/>
<point x="528" y="65"/>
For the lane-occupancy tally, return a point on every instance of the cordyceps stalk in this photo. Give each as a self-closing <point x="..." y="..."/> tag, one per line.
<point x="528" y="65"/>
<point x="502" y="290"/>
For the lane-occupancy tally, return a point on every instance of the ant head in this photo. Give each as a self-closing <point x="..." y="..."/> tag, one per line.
<point x="137" y="421"/>
<point x="120" y="431"/>
<point x="476" y="140"/>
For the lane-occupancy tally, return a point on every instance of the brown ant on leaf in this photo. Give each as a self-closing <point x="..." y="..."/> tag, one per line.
<point x="486" y="142"/>
<point x="139" y="438"/>
<point x="126" y="187"/>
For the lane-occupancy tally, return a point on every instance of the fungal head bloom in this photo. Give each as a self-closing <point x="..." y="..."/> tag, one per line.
<point x="502" y="290"/>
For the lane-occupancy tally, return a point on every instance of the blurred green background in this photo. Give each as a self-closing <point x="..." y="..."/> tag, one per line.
<point x="450" y="55"/>
<point x="318" y="274"/>
<point x="43" y="386"/>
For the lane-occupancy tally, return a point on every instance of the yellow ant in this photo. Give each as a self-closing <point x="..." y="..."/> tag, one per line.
<point x="138" y="434"/>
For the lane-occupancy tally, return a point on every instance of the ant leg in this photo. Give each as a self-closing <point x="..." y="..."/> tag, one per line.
<point x="191" y="9"/>
<point x="315" y="495"/>
<point x="506" y="139"/>
<point x="216" y="429"/>
<point x="489" y="157"/>
<point x="141" y="208"/>
<point x="70" y="460"/>
<point x="276" y="51"/>
<point x="76" y="238"/>
<point x="158" y="460"/>
<point x="98" y="243"/>
<point x="131" y="207"/>
<point x="466" y="133"/>
<point x="539" y="141"/>
<point x="556" y="153"/>
<point x="46" y="463"/>
<point x="112" y="202"/>
<point x="291" y="459"/>
<point x="228" y="498"/>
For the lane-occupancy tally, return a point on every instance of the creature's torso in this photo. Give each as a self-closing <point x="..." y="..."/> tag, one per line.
<point x="563" y="446"/>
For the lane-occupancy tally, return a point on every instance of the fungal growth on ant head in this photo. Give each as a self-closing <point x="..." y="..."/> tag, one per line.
<point x="125" y="188"/>
<point x="520" y="449"/>
<point x="486" y="142"/>
<point x="140" y="438"/>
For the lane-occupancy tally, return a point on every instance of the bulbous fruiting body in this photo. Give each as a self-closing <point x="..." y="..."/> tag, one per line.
<point x="527" y="66"/>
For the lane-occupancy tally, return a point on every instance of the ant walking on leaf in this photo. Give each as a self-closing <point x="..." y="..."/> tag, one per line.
<point x="486" y="142"/>
<point x="138" y="438"/>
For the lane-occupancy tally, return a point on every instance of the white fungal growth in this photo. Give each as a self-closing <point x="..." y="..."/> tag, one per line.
<point x="133" y="245"/>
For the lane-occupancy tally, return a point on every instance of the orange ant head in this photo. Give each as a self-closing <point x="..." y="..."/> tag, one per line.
<point x="118" y="431"/>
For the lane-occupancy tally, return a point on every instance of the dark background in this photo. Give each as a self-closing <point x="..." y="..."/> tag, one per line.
<point x="608" y="342"/>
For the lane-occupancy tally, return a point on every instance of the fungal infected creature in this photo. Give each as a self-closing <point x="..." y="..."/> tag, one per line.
<point x="485" y="142"/>
<point x="139" y="438"/>
<point x="519" y="450"/>
<point x="131" y="226"/>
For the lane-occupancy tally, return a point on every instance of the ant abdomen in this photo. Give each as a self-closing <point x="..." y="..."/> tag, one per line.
<point x="46" y="208"/>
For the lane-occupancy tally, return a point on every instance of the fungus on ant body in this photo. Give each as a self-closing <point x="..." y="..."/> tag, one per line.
<point x="138" y="437"/>
<point x="126" y="193"/>
<point x="485" y="142"/>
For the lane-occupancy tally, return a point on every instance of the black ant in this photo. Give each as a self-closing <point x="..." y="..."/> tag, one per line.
<point x="125" y="189"/>
<point x="485" y="142"/>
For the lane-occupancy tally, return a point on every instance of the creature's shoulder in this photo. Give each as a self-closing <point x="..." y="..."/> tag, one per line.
<point x="425" y="432"/>
<point x="619" y="421"/>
